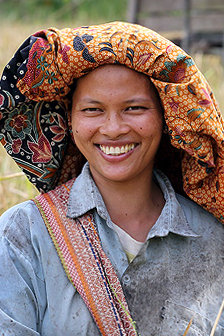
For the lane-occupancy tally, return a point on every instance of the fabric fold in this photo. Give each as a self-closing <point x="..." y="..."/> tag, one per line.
<point x="43" y="72"/>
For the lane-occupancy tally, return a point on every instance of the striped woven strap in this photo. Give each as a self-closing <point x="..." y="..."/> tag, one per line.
<point x="85" y="263"/>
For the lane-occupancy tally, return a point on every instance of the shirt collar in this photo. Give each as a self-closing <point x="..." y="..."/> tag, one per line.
<point x="85" y="196"/>
<point x="172" y="218"/>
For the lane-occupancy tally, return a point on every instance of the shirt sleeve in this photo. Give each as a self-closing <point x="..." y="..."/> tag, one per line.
<point x="21" y="282"/>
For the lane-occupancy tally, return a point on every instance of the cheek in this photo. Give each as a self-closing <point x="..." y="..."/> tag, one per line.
<point x="151" y="127"/>
<point x="82" y="133"/>
<point x="76" y="131"/>
<point x="76" y="127"/>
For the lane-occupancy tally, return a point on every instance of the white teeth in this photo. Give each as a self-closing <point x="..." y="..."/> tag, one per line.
<point x="112" y="150"/>
<point x="117" y="150"/>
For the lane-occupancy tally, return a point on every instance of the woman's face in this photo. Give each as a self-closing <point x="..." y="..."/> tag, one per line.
<point x="117" y="122"/>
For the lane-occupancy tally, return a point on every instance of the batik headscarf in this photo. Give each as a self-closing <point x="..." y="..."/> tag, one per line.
<point x="34" y="104"/>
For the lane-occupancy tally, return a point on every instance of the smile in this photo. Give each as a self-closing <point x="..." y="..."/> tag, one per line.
<point x="110" y="150"/>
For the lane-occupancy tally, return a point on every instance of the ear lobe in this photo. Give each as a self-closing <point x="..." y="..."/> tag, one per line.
<point x="165" y="129"/>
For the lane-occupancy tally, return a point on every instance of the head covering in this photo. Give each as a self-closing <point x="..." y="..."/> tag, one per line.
<point x="34" y="104"/>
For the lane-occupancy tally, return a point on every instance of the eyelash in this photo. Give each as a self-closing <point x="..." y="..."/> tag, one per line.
<point x="91" y="109"/>
<point x="136" y="108"/>
<point x="95" y="111"/>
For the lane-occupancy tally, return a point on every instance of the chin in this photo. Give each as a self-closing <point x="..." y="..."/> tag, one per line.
<point x="116" y="176"/>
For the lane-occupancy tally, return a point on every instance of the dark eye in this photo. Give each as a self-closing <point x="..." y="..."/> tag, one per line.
<point x="135" y="108"/>
<point x="92" y="109"/>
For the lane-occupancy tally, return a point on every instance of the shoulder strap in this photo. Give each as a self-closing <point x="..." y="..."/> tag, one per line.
<point x="85" y="263"/>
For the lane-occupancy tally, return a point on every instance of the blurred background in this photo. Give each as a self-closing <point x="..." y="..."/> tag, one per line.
<point x="196" y="25"/>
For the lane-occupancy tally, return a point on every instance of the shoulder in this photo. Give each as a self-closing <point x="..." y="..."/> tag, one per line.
<point x="22" y="226"/>
<point x="24" y="207"/>
<point x="25" y="212"/>
<point x="200" y="220"/>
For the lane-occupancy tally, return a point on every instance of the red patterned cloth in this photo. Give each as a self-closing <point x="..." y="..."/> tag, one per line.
<point x="85" y="263"/>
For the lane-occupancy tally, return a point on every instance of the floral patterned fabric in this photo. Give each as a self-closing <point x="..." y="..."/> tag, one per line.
<point x="34" y="104"/>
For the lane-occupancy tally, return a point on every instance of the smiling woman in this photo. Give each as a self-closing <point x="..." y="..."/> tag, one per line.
<point x="109" y="247"/>
<point x="104" y="117"/>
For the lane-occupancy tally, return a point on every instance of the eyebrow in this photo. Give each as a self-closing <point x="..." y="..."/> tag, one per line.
<point x="90" y="101"/>
<point x="128" y="101"/>
<point x="138" y="100"/>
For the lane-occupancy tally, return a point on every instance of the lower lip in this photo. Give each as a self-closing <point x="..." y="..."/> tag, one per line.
<point x="116" y="158"/>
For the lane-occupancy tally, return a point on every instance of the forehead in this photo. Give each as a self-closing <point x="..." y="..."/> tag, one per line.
<point x="113" y="80"/>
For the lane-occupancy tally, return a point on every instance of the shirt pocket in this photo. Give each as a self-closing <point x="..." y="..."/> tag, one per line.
<point x="177" y="318"/>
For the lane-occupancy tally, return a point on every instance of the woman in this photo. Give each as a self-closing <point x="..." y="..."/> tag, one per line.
<point x="115" y="251"/>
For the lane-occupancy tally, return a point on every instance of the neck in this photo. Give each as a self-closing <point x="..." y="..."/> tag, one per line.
<point x="134" y="205"/>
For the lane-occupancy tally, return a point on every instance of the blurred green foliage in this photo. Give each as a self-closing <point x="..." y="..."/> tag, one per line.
<point x="91" y="11"/>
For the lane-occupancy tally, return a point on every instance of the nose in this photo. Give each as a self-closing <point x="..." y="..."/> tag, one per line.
<point x="114" y="126"/>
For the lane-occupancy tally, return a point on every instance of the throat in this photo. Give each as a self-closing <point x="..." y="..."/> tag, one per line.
<point x="137" y="217"/>
<point x="134" y="205"/>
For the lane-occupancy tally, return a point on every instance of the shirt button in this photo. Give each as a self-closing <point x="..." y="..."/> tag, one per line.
<point x="126" y="279"/>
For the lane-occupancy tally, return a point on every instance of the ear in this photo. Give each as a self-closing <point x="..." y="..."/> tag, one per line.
<point x="69" y="116"/>
<point x="165" y="128"/>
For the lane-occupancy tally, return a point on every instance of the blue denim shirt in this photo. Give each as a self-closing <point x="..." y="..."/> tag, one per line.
<point x="177" y="274"/>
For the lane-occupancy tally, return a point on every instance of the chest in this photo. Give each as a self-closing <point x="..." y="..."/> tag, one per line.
<point x="167" y="284"/>
<point x="175" y="279"/>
